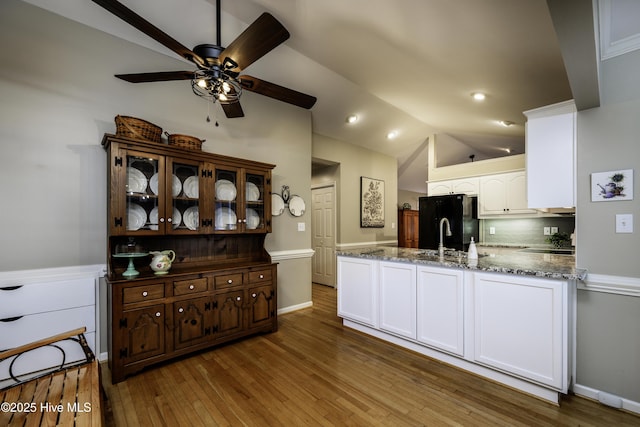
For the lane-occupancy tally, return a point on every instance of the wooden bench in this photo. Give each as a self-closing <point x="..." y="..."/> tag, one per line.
<point x="65" y="394"/>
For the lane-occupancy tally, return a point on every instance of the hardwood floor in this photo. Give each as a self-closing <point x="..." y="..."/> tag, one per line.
<point x="315" y="372"/>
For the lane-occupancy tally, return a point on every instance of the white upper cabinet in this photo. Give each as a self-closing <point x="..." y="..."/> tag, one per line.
<point x="468" y="186"/>
<point x="551" y="156"/>
<point x="503" y="194"/>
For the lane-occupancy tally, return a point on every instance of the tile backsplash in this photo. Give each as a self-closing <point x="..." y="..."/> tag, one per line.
<point x="523" y="232"/>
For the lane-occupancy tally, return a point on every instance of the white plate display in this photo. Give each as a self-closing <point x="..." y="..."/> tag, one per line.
<point x="153" y="218"/>
<point x="136" y="181"/>
<point x="252" y="192"/>
<point x="226" y="219"/>
<point x="136" y="216"/>
<point x="296" y="206"/>
<point x="277" y="205"/>
<point x="225" y="190"/>
<point x="191" y="218"/>
<point x="176" y="185"/>
<point x="191" y="187"/>
<point x="253" y="219"/>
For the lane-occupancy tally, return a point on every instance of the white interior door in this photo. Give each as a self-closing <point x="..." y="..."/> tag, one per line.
<point x="323" y="225"/>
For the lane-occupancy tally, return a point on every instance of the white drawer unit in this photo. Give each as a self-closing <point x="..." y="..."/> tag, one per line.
<point x="36" y="304"/>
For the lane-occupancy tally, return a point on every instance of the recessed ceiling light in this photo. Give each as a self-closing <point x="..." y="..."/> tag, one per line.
<point x="352" y="118"/>
<point x="478" y="96"/>
<point x="506" y="123"/>
<point x="392" y="134"/>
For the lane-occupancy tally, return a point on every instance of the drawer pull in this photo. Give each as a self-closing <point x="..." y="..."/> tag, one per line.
<point x="11" y="319"/>
<point x="262" y="276"/>
<point x="11" y="288"/>
<point x="192" y="287"/>
<point x="158" y="314"/>
<point x="229" y="281"/>
<point x="180" y="310"/>
<point x="253" y="295"/>
<point x="238" y="298"/>
<point x="145" y="293"/>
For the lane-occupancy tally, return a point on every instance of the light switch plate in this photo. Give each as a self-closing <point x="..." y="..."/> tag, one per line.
<point x="546" y="231"/>
<point x="624" y="223"/>
<point x="554" y="230"/>
<point x="301" y="226"/>
<point x="492" y="230"/>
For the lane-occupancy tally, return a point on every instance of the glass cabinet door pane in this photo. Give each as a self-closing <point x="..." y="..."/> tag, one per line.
<point x="254" y="201"/>
<point x="142" y="193"/>
<point x="226" y="206"/>
<point x="185" y="196"/>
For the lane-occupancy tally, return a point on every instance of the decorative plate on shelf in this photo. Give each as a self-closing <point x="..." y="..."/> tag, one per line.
<point x="176" y="185"/>
<point x="252" y="192"/>
<point x="226" y="219"/>
<point x="253" y="219"/>
<point x="191" y="187"/>
<point x="225" y="190"/>
<point x="136" y="216"/>
<point x="136" y="181"/>
<point x="191" y="218"/>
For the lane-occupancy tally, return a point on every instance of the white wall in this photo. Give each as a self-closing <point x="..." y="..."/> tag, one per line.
<point x="58" y="98"/>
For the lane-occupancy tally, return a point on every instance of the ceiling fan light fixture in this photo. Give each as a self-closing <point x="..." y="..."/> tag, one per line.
<point x="215" y="86"/>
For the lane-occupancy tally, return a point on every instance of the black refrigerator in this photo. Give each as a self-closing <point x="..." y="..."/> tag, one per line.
<point x="461" y="211"/>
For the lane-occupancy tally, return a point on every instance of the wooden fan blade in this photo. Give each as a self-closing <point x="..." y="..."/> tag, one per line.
<point x="161" y="76"/>
<point x="232" y="109"/>
<point x="275" y="91"/>
<point x="135" y="20"/>
<point x="258" y="39"/>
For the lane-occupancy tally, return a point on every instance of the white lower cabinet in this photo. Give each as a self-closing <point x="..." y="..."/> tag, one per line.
<point x="398" y="298"/>
<point x="521" y="327"/>
<point x="358" y="290"/>
<point x="440" y="306"/>
<point x="517" y="330"/>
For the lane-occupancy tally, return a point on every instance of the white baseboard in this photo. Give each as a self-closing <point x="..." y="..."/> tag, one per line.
<point x="295" y="307"/>
<point x="591" y="393"/>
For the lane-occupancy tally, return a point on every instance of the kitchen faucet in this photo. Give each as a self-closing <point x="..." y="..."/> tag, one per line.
<point x="441" y="246"/>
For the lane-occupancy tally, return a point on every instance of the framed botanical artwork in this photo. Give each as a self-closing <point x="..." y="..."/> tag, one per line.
<point x="612" y="185"/>
<point x="371" y="203"/>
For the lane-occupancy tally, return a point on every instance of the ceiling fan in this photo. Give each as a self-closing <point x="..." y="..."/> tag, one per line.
<point x="217" y="77"/>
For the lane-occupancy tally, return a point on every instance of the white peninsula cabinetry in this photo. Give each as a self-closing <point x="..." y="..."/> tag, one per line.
<point x="512" y="329"/>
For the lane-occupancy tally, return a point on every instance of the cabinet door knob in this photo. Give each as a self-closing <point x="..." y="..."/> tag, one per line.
<point x="180" y="310"/>
<point x="192" y="287"/>
<point x="229" y="281"/>
<point x="161" y="219"/>
<point x="253" y="295"/>
<point x="262" y="276"/>
<point x="145" y="293"/>
<point x="238" y="298"/>
<point x="169" y="219"/>
<point x="158" y="314"/>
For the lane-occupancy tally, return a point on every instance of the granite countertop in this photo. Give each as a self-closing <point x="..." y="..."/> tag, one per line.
<point x="490" y="259"/>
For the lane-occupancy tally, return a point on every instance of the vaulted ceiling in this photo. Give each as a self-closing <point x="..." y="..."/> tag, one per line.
<point x="404" y="65"/>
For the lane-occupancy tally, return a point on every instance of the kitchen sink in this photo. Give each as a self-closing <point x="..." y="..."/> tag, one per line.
<point x="548" y="251"/>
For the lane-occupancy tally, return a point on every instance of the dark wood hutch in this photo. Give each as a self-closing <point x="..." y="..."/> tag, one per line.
<point x="214" y="212"/>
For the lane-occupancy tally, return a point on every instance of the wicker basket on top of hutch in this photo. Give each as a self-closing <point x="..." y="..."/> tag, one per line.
<point x="214" y="212"/>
